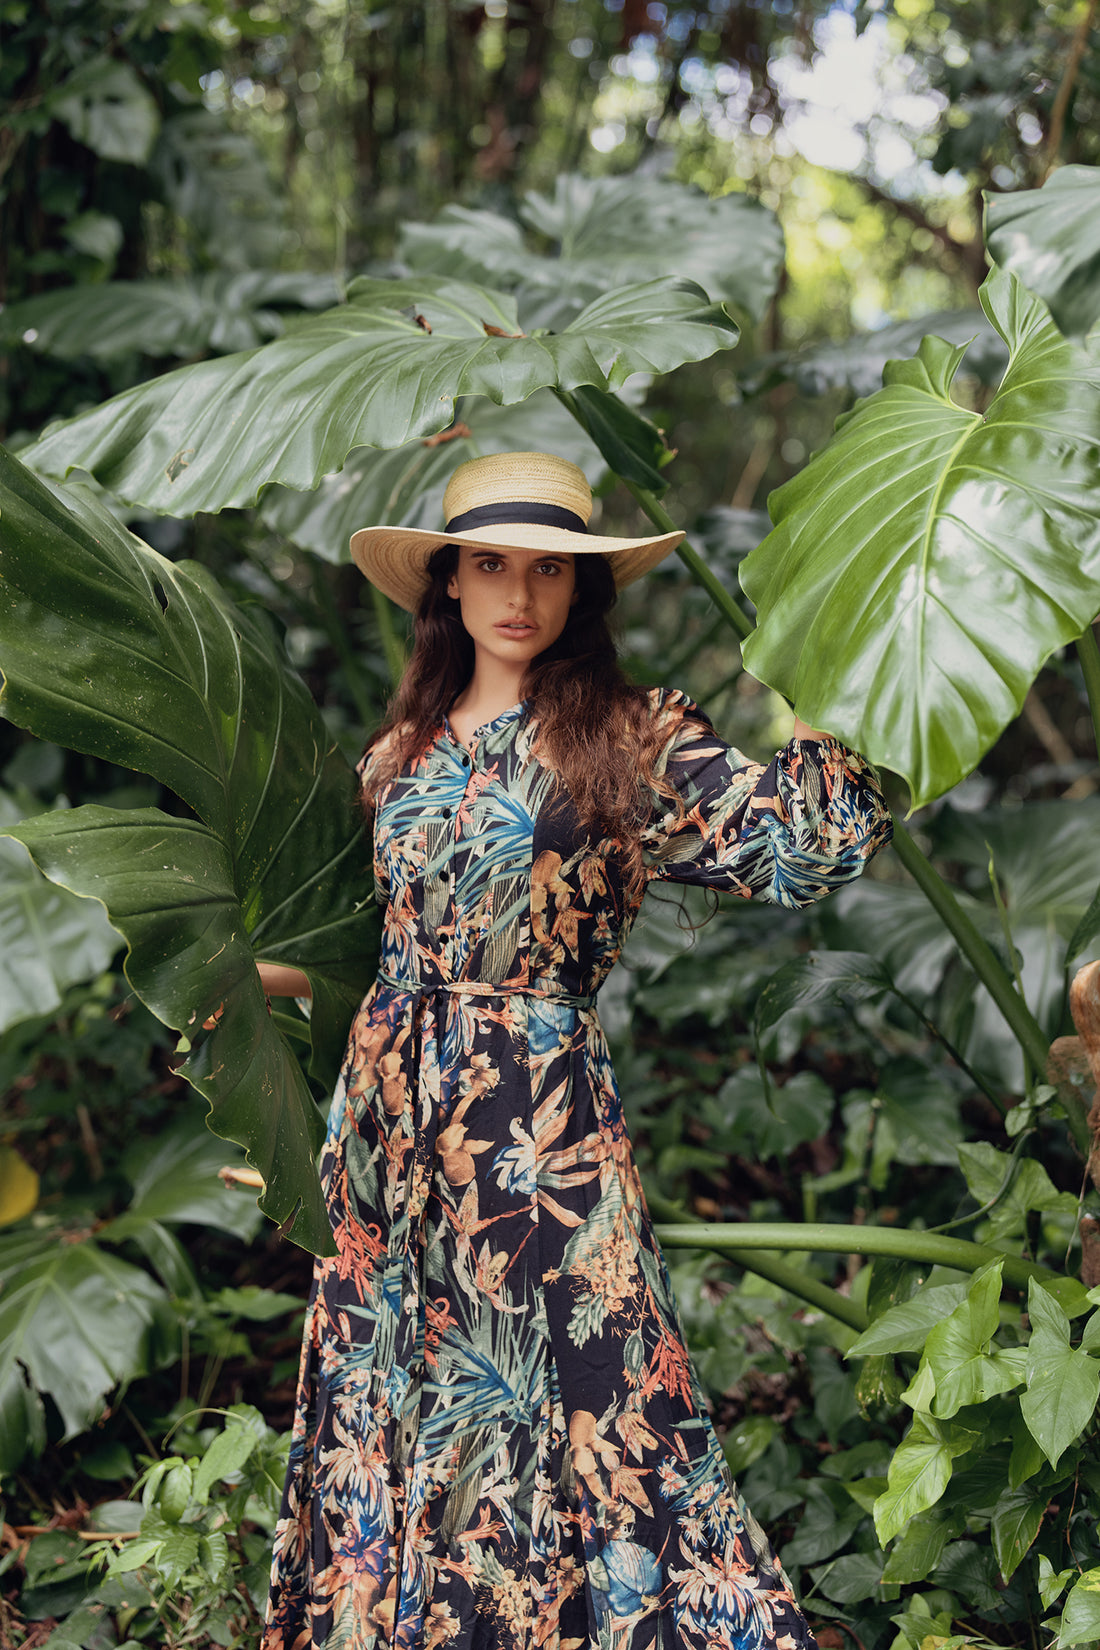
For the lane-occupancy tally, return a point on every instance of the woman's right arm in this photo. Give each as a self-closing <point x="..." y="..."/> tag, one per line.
<point x="788" y="832"/>
<point x="280" y="981"/>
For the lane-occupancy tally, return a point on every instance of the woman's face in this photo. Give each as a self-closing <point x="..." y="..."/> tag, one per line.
<point x="514" y="603"/>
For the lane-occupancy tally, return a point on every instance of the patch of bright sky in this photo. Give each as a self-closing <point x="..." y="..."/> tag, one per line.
<point x="856" y="108"/>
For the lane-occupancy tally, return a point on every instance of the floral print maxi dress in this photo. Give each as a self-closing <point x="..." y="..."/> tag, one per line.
<point x="499" y="1442"/>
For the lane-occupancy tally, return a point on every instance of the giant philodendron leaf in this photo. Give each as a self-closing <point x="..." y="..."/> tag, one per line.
<point x="49" y="940"/>
<point x="406" y="485"/>
<point x="378" y="371"/>
<point x="928" y="560"/>
<point x="181" y="315"/>
<point x="1050" y="238"/>
<point x="856" y="364"/>
<point x="75" y="1320"/>
<point x="604" y="233"/>
<point x="107" y="105"/>
<point x="108" y="648"/>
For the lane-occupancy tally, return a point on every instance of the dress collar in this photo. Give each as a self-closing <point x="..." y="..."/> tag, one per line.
<point x="512" y="714"/>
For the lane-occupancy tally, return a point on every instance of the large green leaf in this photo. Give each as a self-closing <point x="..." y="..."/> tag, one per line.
<point x="170" y="889"/>
<point x="108" y="648"/>
<point x="406" y="484"/>
<point x="904" y="1327"/>
<point x="819" y="977"/>
<point x="926" y="563"/>
<point x="856" y="364"/>
<point x="851" y="1578"/>
<point x="1050" y="238"/>
<point x="378" y="371"/>
<point x="958" y="1350"/>
<point x="1015" y="1187"/>
<point x="184" y="315"/>
<point x="595" y="234"/>
<point x="78" y="1319"/>
<point x="744" y="1117"/>
<point x="1063" y="1383"/>
<point x="75" y="1319"/>
<point x="219" y="183"/>
<point x="22" y="1416"/>
<point x="920" y="1471"/>
<point x="106" y="105"/>
<point x="918" y="1548"/>
<point x="1015" y="1524"/>
<point x="49" y="939"/>
<point x="1050" y="889"/>
<point x="1080" y="1620"/>
<point x="175" y="1179"/>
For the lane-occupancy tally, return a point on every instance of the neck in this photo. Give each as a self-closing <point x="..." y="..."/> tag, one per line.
<point x="493" y="687"/>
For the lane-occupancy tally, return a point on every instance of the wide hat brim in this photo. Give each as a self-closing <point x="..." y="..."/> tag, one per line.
<point x="395" y="559"/>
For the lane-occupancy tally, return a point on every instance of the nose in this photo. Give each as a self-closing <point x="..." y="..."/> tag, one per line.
<point x="521" y="593"/>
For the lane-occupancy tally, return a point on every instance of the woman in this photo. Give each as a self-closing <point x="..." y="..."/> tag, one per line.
<point x="499" y="1440"/>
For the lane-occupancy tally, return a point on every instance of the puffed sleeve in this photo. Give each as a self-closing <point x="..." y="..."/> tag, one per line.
<point x="788" y="833"/>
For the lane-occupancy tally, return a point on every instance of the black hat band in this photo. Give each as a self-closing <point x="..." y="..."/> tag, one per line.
<point x="517" y="515"/>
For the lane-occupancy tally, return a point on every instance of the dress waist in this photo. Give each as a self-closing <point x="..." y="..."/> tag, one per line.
<point x="487" y="988"/>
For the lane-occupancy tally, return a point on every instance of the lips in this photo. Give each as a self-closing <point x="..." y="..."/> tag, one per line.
<point x="515" y="628"/>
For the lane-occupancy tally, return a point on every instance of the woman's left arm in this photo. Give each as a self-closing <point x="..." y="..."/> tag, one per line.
<point x="280" y="981"/>
<point x="803" y="730"/>
<point x="787" y="832"/>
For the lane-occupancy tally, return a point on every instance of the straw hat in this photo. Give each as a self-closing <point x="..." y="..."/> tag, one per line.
<point x="516" y="501"/>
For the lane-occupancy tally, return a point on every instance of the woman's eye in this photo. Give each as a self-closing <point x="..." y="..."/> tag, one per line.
<point x="550" y="567"/>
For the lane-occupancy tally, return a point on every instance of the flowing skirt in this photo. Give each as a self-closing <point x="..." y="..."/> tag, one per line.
<point x="499" y="1441"/>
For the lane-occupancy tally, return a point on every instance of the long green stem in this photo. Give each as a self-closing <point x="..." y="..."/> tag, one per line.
<point x="852" y="1240"/>
<point x="963" y="1064"/>
<point x="781" y="1272"/>
<point x="1030" y="1076"/>
<point x="298" y="1030"/>
<point x="391" y="644"/>
<point x="800" y="1284"/>
<point x="1089" y="655"/>
<point x="341" y="645"/>
<point x="989" y="969"/>
<point x="713" y="585"/>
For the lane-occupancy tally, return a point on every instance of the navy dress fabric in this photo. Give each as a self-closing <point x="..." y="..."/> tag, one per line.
<point x="499" y="1440"/>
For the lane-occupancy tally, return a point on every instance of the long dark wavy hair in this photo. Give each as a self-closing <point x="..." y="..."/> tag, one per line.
<point x="594" y="728"/>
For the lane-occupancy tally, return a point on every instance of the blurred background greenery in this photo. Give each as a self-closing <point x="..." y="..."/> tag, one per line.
<point x="180" y="180"/>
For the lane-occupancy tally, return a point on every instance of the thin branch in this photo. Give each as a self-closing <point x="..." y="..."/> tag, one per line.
<point x="913" y="214"/>
<point x="1064" y="94"/>
<point x="1046" y="730"/>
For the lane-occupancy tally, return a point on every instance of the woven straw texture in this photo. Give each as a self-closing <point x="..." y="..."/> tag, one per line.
<point x="396" y="558"/>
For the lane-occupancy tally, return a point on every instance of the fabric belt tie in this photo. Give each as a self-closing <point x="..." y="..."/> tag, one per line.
<point x="486" y="988"/>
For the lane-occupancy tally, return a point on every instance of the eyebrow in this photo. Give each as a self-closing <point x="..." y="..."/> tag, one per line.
<point x="502" y="555"/>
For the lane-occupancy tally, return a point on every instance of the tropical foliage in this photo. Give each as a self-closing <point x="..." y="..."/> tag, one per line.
<point x="853" y="1109"/>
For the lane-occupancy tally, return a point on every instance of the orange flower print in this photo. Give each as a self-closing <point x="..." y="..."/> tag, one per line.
<point x="497" y="1438"/>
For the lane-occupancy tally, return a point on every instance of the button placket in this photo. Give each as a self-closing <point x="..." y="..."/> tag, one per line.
<point x="450" y="815"/>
